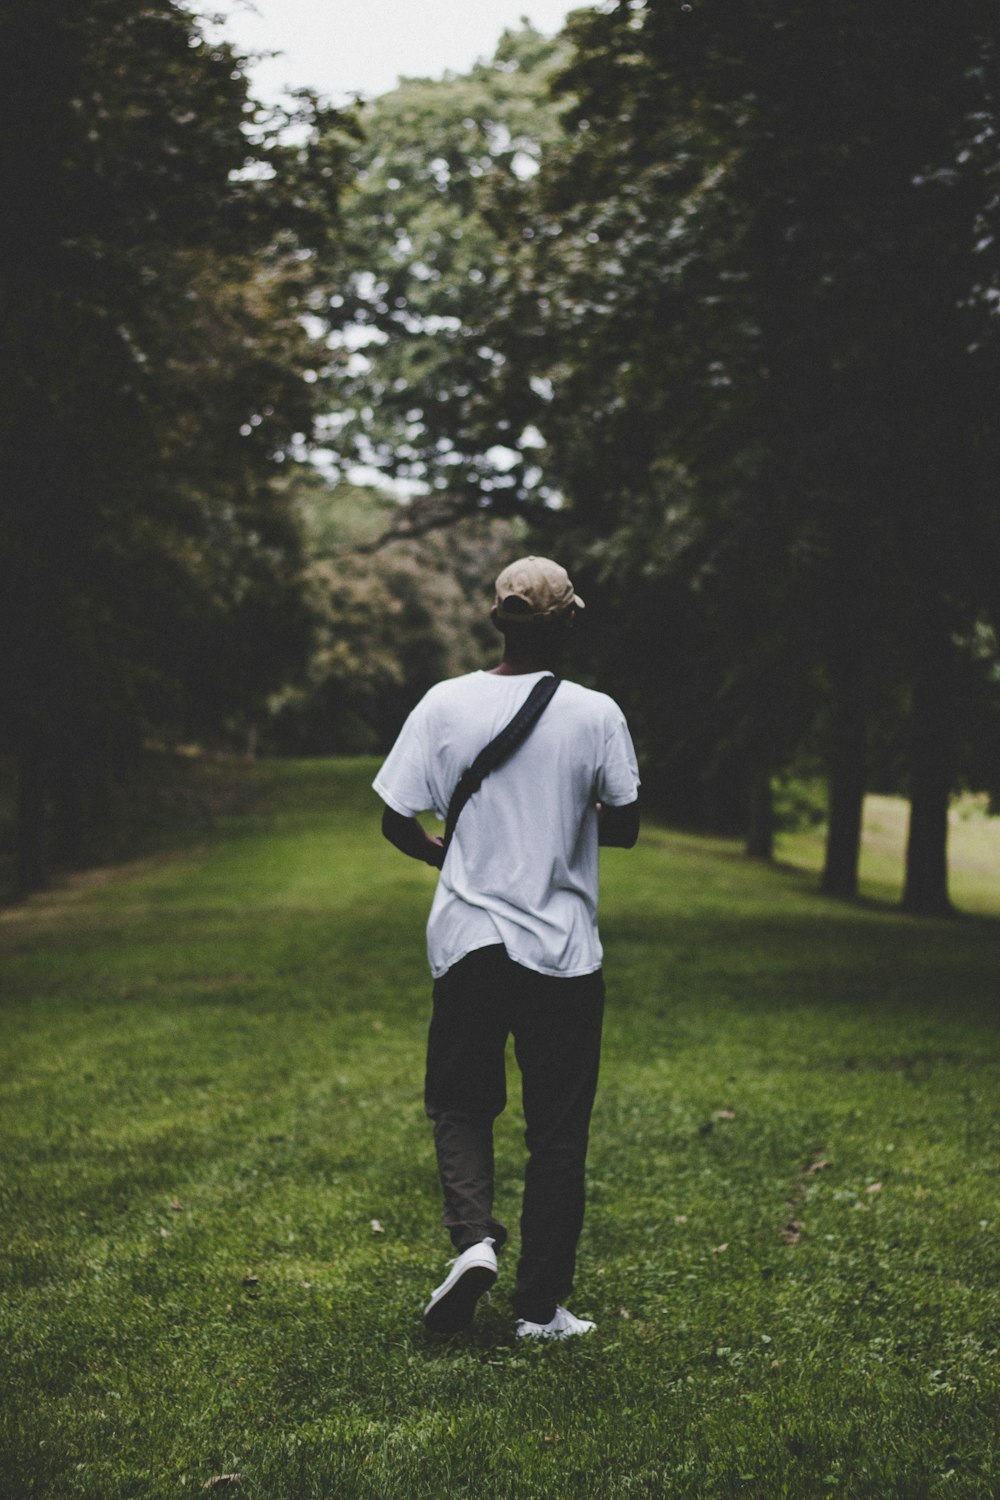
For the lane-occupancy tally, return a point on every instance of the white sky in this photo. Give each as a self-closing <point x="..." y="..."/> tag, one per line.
<point x="345" y="47"/>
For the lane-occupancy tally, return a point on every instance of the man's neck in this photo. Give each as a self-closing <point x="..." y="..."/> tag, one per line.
<point x="518" y="667"/>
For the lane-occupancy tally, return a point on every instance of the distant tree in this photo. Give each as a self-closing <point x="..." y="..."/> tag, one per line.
<point x="163" y="239"/>
<point x="393" y="617"/>
<point x="439" y="178"/>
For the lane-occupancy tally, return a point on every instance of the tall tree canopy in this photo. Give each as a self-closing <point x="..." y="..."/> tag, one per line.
<point x="163" y="239"/>
<point x="766" y="262"/>
<point x="737" y="337"/>
<point x="438" y="182"/>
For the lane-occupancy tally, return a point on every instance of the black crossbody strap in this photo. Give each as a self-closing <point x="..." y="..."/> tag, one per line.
<point x="499" y="748"/>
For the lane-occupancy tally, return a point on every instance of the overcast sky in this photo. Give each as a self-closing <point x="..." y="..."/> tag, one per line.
<point x="344" y="47"/>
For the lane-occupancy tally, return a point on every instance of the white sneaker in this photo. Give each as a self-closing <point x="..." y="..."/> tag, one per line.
<point x="563" y="1326"/>
<point x="453" y="1303"/>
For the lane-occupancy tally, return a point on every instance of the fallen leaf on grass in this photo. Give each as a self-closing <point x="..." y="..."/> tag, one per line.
<point x="164" y="1232"/>
<point x="176" y="1206"/>
<point x="720" y="1248"/>
<point x="377" y="1227"/>
<point x="875" y="1187"/>
<point x="218" y="1480"/>
<point x="792" y="1232"/>
<point x="818" y="1166"/>
<point x="725" y="1114"/>
<point x="680" y="1218"/>
<point x="623" y="1312"/>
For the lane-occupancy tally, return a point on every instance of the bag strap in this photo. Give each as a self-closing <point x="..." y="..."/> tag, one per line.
<point x="499" y="748"/>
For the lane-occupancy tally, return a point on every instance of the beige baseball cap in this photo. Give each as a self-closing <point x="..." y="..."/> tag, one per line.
<point x="533" y="587"/>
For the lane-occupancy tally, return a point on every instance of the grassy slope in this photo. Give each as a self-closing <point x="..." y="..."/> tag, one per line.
<point x="792" y="1241"/>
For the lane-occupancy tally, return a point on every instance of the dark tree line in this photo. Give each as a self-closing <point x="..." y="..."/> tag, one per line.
<point x="794" y="210"/>
<point x="704" y="296"/>
<point x="162" y="240"/>
<point x="749" y="303"/>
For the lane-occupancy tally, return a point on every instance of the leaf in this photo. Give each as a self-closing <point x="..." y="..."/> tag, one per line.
<point x="218" y="1480"/>
<point x="792" y="1232"/>
<point x="875" y="1187"/>
<point x="623" y="1312"/>
<point x="680" y="1218"/>
<point x="165" y="1233"/>
<point x="818" y="1166"/>
<point x="377" y="1227"/>
<point x="176" y="1206"/>
<point x="725" y="1114"/>
<point x="720" y="1248"/>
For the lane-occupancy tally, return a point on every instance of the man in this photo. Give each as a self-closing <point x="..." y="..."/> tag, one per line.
<point x="512" y="940"/>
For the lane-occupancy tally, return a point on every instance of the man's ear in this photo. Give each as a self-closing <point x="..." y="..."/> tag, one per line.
<point x="496" y="619"/>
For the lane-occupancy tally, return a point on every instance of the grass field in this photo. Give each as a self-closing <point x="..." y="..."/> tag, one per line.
<point x="220" y="1211"/>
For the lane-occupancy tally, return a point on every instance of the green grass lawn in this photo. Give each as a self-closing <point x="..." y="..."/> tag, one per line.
<point x="220" y="1216"/>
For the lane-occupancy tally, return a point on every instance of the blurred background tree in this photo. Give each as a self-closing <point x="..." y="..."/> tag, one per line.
<point x="767" y="257"/>
<point x="438" y="179"/>
<point x="736" y="337"/>
<point x="392" y="616"/>
<point x="162" y="239"/>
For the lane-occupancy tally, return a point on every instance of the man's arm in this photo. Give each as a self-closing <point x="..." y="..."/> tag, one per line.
<point x="618" y="827"/>
<point x="408" y="836"/>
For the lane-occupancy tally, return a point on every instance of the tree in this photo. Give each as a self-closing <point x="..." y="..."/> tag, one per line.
<point x="438" y="179"/>
<point x="762" y="221"/>
<point x="393" y="617"/>
<point x="163" y="240"/>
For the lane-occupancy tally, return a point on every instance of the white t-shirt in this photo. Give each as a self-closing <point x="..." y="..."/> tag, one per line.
<point x="521" y="869"/>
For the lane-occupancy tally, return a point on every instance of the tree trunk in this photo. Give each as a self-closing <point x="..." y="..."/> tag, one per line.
<point x="848" y="745"/>
<point x="760" y="835"/>
<point x="32" y="855"/>
<point x="932" y="751"/>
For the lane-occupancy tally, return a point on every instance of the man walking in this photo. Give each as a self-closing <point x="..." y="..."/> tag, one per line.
<point x="512" y="939"/>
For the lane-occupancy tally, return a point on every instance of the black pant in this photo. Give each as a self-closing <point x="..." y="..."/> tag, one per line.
<point x="556" y="1025"/>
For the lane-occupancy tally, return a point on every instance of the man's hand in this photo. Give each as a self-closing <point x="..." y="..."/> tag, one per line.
<point x="435" y="850"/>
<point x="618" y="827"/>
<point x="408" y="836"/>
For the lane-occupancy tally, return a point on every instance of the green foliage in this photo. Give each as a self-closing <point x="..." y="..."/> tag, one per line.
<point x="699" y="330"/>
<point x="211" y="1088"/>
<point x="438" y="182"/>
<point x="395" y="611"/>
<point x="799" y="802"/>
<point x="164" y="236"/>
<point x="759" y="224"/>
